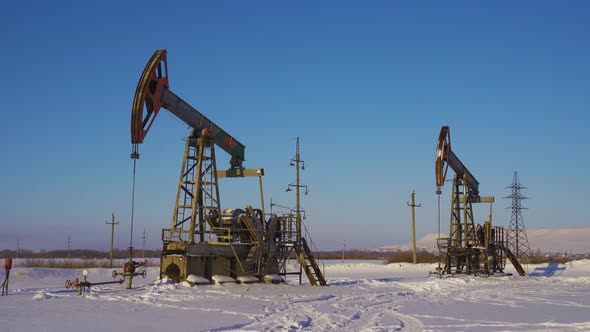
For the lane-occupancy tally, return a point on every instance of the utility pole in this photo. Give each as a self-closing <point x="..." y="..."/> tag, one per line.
<point x="17" y="248"/>
<point x="69" y="243"/>
<point x="413" y="205"/>
<point x="343" y="250"/>
<point x="112" y="223"/>
<point x="299" y="165"/>
<point x="143" y="245"/>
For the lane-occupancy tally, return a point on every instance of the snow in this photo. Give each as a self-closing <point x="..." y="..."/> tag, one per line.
<point x="248" y="280"/>
<point x="273" y="279"/>
<point x="164" y="281"/>
<point x="197" y="280"/>
<point x="362" y="296"/>
<point x="220" y="280"/>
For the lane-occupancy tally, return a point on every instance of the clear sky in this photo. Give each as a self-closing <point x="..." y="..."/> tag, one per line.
<point x="365" y="84"/>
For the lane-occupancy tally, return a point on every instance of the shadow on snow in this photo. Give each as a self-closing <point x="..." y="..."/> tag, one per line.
<point x="551" y="270"/>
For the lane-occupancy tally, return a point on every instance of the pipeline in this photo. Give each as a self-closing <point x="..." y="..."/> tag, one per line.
<point x="129" y="271"/>
<point x="84" y="285"/>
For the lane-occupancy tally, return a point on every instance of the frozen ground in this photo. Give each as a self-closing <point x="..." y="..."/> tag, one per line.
<point x="362" y="296"/>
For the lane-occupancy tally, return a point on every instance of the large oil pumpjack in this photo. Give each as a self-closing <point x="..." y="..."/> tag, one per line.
<point x="470" y="248"/>
<point x="203" y="239"/>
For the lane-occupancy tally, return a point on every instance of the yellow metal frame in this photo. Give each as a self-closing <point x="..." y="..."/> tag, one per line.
<point x="240" y="172"/>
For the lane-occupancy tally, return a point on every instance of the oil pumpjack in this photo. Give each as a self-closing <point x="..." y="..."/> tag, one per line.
<point x="470" y="248"/>
<point x="203" y="239"/>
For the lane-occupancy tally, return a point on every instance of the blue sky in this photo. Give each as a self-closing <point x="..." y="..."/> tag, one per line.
<point x="366" y="85"/>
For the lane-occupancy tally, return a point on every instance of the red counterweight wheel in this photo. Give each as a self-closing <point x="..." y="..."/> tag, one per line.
<point x="442" y="151"/>
<point x="148" y="93"/>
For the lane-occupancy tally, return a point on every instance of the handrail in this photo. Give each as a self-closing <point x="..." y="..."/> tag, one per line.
<point x="313" y="247"/>
<point x="169" y="235"/>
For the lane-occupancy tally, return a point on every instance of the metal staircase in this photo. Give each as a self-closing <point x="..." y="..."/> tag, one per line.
<point x="288" y="247"/>
<point x="307" y="260"/>
<point x="514" y="261"/>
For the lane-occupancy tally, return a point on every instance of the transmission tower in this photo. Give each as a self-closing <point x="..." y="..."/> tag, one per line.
<point x="143" y="245"/>
<point x="518" y="241"/>
<point x="69" y="242"/>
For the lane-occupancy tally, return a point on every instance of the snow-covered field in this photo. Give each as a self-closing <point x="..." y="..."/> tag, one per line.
<point x="362" y="296"/>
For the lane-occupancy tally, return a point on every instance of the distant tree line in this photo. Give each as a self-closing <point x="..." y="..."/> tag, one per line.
<point x="425" y="256"/>
<point x="394" y="256"/>
<point x="422" y="256"/>
<point x="77" y="253"/>
<point x="357" y="254"/>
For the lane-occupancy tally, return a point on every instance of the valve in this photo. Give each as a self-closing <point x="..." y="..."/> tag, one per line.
<point x="130" y="269"/>
<point x="83" y="286"/>
<point x="76" y="284"/>
<point x="73" y="284"/>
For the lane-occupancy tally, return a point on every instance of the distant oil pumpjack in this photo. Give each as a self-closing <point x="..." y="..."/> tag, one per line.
<point x="470" y="248"/>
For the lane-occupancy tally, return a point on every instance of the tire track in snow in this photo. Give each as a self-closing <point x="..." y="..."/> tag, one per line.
<point x="513" y="297"/>
<point x="337" y="309"/>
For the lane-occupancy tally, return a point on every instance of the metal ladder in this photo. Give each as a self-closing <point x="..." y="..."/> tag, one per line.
<point x="309" y="264"/>
<point x="514" y="261"/>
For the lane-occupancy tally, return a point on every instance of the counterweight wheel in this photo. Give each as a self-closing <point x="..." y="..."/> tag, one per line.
<point x="442" y="151"/>
<point x="147" y="101"/>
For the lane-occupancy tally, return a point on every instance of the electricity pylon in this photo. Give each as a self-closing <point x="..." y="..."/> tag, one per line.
<point x="518" y="241"/>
